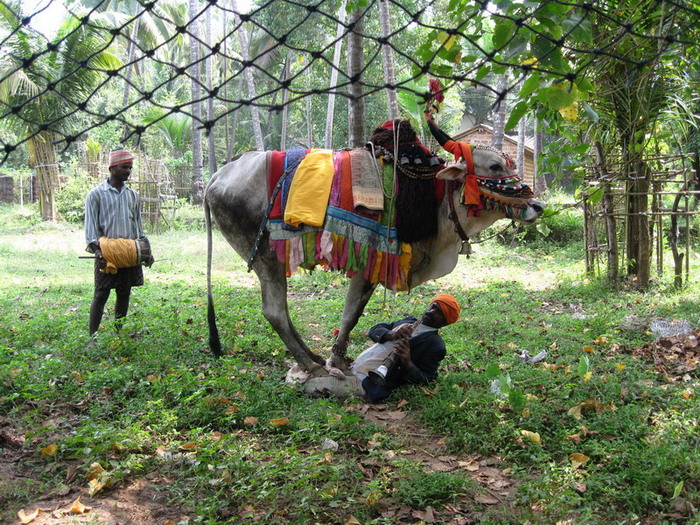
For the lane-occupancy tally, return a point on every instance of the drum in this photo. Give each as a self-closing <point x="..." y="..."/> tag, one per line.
<point x="143" y="252"/>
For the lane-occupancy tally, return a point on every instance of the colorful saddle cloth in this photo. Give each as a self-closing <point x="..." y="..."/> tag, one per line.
<point x="325" y="217"/>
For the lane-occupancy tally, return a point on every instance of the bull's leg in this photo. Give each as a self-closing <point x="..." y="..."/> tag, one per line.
<point x="356" y="299"/>
<point x="273" y="286"/>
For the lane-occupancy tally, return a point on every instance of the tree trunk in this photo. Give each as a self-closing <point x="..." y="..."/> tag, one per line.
<point x="250" y="80"/>
<point x="609" y="214"/>
<point x="499" y="119"/>
<point x="521" y="148"/>
<point x="211" y="150"/>
<point x="356" y="105"/>
<point x="309" y="125"/>
<point x="197" y="181"/>
<point x="330" y="113"/>
<point x="131" y="52"/>
<point x="539" y="181"/>
<point x="285" y="109"/>
<point x="44" y="160"/>
<point x="389" y="75"/>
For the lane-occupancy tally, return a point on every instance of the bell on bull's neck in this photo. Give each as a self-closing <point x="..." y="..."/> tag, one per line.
<point x="466" y="249"/>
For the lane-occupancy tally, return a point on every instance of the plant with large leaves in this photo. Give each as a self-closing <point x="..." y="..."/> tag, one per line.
<point x="42" y="87"/>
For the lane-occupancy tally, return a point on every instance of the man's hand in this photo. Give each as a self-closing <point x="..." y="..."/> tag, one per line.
<point x="403" y="352"/>
<point x="402" y="331"/>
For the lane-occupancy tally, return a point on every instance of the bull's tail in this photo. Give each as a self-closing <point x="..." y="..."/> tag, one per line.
<point x="214" y="341"/>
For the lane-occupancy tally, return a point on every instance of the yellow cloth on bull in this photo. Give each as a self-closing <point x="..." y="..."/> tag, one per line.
<point x="310" y="189"/>
<point x="119" y="253"/>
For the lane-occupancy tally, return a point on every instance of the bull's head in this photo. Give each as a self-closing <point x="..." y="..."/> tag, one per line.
<point x="490" y="189"/>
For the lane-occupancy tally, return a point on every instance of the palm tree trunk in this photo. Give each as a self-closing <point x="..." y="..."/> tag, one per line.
<point x="356" y="109"/>
<point x="131" y="53"/>
<point x="250" y="81"/>
<point x="44" y="160"/>
<point x="499" y="120"/>
<point x="285" y="109"/>
<point x="389" y="75"/>
<point x="539" y="181"/>
<point x="210" y="100"/>
<point x="521" y="148"/>
<point x="330" y="113"/>
<point x="197" y="181"/>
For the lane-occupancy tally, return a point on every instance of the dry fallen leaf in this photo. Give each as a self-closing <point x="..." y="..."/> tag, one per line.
<point x="352" y="520"/>
<point x="250" y="421"/>
<point x="94" y="470"/>
<point x="280" y="422"/>
<point x="531" y="436"/>
<point x="78" y="508"/>
<point x="588" y="349"/>
<point x="216" y="435"/>
<point x="25" y="518"/>
<point x="576" y="438"/>
<point x="151" y="378"/>
<point x="485" y="499"/>
<point x="188" y="446"/>
<point x="578" y="459"/>
<point x="97" y="485"/>
<point x="49" y="450"/>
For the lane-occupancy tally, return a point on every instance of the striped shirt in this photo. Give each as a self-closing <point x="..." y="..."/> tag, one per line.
<point x="112" y="213"/>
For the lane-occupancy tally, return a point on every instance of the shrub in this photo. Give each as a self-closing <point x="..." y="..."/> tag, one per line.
<point x="70" y="199"/>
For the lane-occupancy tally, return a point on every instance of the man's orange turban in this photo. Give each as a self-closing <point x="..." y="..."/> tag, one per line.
<point x="449" y="307"/>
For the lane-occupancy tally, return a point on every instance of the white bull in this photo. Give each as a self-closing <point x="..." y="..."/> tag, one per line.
<point x="237" y="198"/>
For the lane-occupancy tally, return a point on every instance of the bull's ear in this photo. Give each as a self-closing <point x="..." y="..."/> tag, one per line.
<point x="453" y="171"/>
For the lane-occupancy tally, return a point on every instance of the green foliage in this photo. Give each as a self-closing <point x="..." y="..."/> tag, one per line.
<point x="150" y="402"/>
<point x="422" y="489"/>
<point x="70" y="199"/>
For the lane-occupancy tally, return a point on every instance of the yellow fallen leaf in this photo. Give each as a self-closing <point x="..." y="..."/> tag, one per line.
<point x="589" y="349"/>
<point x="575" y="412"/>
<point x="531" y="436"/>
<point x="78" y="508"/>
<point x="261" y="376"/>
<point x="97" y="485"/>
<point x="687" y="393"/>
<point x="531" y="397"/>
<point x="77" y="376"/>
<point x="25" y="518"/>
<point x="188" y="446"/>
<point x="587" y="377"/>
<point x="578" y="459"/>
<point x="94" y="470"/>
<point x="280" y="422"/>
<point x="116" y="447"/>
<point x="232" y="409"/>
<point x="49" y="450"/>
<point x="152" y="378"/>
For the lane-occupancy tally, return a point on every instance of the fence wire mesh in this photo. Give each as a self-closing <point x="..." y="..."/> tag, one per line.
<point x="165" y="65"/>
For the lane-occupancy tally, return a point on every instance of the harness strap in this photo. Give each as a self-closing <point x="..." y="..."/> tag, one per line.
<point x="270" y="204"/>
<point x="451" y="187"/>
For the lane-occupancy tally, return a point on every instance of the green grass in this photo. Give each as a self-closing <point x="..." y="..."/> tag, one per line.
<point x="150" y="401"/>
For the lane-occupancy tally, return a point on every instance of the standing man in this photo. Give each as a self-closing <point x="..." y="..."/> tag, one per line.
<point x="113" y="211"/>
<point x="407" y="351"/>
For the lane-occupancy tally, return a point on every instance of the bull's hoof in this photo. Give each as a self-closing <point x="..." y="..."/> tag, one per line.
<point x="350" y="386"/>
<point x="340" y="363"/>
<point x="315" y="370"/>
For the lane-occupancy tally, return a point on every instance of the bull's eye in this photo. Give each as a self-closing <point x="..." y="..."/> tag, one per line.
<point x="496" y="167"/>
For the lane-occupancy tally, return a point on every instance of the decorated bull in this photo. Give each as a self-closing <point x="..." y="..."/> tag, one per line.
<point x="389" y="214"/>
